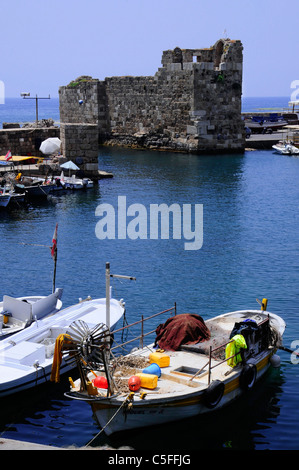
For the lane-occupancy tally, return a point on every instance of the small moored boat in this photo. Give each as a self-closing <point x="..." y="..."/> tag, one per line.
<point x="286" y="148"/>
<point x="9" y="197"/>
<point x="34" y="187"/>
<point x="26" y="359"/>
<point x="72" y="182"/>
<point x="197" y="372"/>
<point x="33" y="356"/>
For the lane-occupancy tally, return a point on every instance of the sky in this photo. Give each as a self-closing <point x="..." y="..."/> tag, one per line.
<point x="47" y="43"/>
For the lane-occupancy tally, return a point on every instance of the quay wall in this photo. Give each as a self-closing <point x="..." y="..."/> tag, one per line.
<point x="191" y="104"/>
<point x="82" y="145"/>
<point x="25" y="141"/>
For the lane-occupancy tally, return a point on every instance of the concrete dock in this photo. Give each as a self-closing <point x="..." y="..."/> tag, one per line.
<point x="33" y="170"/>
<point x="264" y="141"/>
<point x="11" y="444"/>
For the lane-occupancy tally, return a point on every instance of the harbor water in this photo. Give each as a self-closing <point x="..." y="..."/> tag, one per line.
<point x="250" y="250"/>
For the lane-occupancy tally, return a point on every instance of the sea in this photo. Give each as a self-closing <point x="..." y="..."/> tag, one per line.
<point x="249" y="251"/>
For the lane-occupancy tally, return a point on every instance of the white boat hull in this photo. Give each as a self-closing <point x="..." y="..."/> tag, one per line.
<point x="73" y="183"/>
<point x="286" y="149"/>
<point x="154" y="414"/>
<point x="27" y="361"/>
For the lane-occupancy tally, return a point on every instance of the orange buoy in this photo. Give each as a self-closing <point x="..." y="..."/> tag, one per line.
<point x="134" y="383"/>
<point x="100" y="382"/>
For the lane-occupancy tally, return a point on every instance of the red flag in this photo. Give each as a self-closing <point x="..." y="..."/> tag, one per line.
<point x="54" y="243"/>
<point x="8" y="156"/>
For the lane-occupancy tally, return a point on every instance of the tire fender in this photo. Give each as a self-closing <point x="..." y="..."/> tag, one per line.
<point x="213" y="394"/>
<point x="248" y="376"/>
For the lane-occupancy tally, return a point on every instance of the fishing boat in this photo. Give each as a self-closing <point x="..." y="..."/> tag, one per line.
<point x="26" y="359"/>
<point x="72" y="182"/>
<point x="19" y="313"/>
<point x="8" y="196"/>
<point x="34" y="187"/>
<point x="192" y="368"/>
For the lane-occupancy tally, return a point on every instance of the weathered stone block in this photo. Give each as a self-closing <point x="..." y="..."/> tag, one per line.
<point x="191" y="130"/>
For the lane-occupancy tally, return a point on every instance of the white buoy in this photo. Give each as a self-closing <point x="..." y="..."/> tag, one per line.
<point x="275" y="361"/>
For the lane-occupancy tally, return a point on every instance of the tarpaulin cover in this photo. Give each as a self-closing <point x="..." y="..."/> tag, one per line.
<point x="186" y="328"/>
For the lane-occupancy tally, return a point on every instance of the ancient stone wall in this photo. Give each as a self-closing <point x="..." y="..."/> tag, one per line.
<point x="149" y="104"/>
<point x="80" y="145"/>
<point x="192" y="103"/>
<point x="25" y="141"/>
<point x="78" y="102"/>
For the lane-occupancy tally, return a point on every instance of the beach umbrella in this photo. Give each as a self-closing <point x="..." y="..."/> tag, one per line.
<point x="69" y="165"/>
<point x="50" y="145"/>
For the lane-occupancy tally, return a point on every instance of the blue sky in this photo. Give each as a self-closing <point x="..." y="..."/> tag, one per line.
<point x="46" y="44"/>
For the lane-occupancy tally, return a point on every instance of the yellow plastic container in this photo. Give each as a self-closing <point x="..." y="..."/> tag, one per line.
<point x="148" y="380"/>
<point x="162" y="359"/>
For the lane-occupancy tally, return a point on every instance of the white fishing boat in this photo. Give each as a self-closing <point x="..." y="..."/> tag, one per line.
<point x="19" y="313"/>
<point x="188" y="375"/>
<point x="72" y="182"/>
<point x="26" y="359"/>
<point x="32" y="356"/>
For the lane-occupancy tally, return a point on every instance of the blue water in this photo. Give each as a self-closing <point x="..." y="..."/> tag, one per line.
<point x="24" y="110"/>
<point x="270" y="104"/>
<point x="250" y="250"/>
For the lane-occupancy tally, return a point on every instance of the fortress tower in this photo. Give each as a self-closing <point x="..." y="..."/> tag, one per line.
<point x="191" y="104"/>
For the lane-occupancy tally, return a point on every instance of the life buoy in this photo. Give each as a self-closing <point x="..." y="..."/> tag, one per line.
<point x="248" y="376"/>
<point x="213" y="394"/>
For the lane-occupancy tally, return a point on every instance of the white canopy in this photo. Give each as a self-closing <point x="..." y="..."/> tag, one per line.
<point x="69" y="165"/>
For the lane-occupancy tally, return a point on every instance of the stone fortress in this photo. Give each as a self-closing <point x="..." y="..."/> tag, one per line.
<point x="192" y="104"/>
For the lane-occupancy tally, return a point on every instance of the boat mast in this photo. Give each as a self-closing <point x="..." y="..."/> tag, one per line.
<point x="106" y="352"/>
<point x="108" y="295"/>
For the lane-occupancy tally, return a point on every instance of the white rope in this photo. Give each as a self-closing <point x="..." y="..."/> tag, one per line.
<point x="112" y="417"/>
